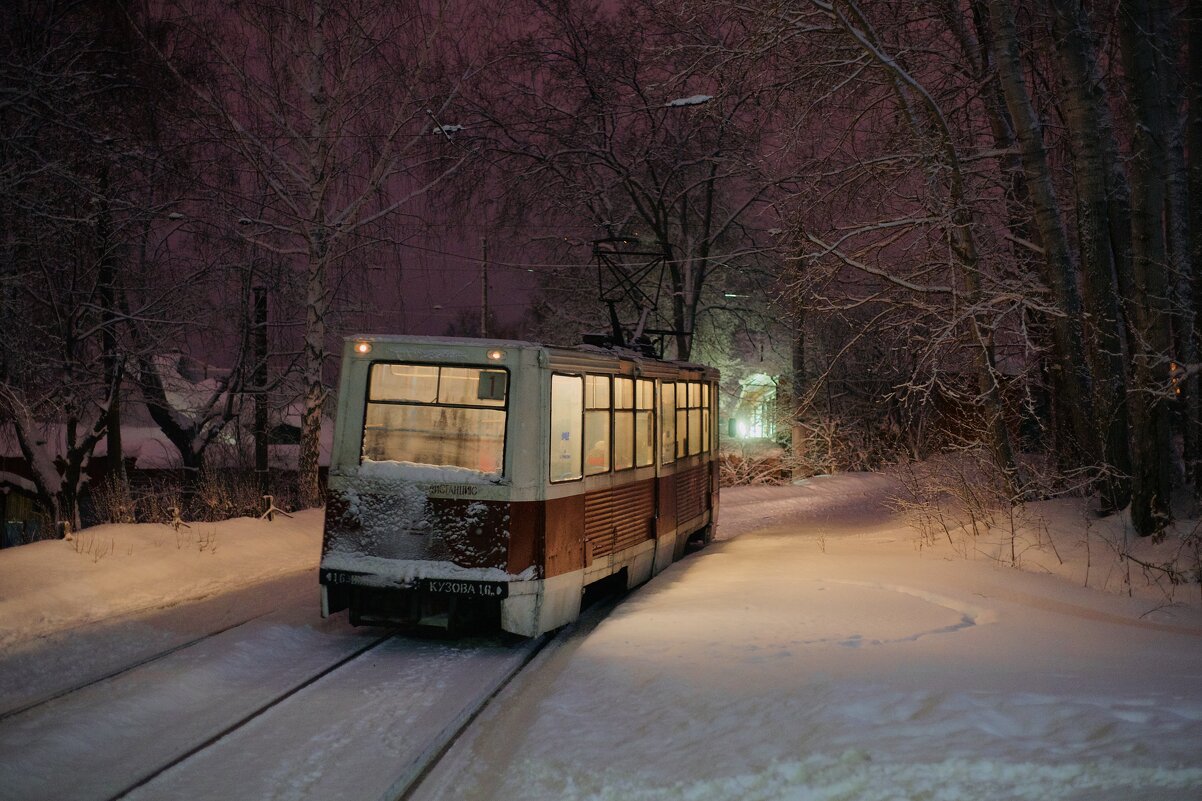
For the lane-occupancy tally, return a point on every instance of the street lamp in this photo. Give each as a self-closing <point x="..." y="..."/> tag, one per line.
<point x="691" y="100"/>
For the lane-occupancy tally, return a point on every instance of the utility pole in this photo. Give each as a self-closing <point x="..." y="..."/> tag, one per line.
<point x="484" y="288"/>
<point x="259" y="348"/>
<point x="797" y="433"/>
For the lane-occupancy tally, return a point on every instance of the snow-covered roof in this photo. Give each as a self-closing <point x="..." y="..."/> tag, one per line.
<point x="8" y="479"/>
<point x="150" y="449"/>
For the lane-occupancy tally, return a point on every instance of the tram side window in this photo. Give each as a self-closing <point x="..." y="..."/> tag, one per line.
<point x="623" y="423"/>
<point x="695" y="418"/>
<point x="667" y="422"/>
<point x="692" y="418"/>
<point x="644" y="423"/>
<point x="596" y="424"/>
<point x="431" y="415"/>
<point x="706" y="429"/>
<point x="567" y="427"/>
<point x="682" y="419"/>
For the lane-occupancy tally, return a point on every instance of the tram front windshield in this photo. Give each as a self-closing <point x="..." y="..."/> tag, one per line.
<point x="436" y="415"/>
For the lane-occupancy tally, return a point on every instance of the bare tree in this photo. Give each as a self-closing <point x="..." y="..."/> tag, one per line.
<point x="1144" y="28"/>
<point x="616" y="120"/>
<point x="1101" y="194"/>
<point x="1097" y="284"/>
<point x="76" y="190"/>
<point x="949" y="208"/>
<point x="326" y="107"/>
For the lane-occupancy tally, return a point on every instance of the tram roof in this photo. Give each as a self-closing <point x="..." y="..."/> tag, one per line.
<point x="577" y="355"/>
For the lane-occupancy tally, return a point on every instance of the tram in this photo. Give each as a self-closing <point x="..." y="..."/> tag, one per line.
<point x="487" y="480"/>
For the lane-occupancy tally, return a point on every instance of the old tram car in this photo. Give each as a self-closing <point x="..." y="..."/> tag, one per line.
<point x="474" y="478"/>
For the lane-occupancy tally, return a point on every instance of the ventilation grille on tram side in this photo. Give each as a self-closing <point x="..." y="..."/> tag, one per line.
<point x="618" y="518"/>
<point x="691" y="487"/>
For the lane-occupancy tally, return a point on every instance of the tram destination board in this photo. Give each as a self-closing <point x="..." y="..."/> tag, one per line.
<point x="476" y="589"/>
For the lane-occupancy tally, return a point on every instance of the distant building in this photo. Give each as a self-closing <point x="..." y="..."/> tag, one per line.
<point x="755" y="413"/>
<point x="147" y="453"/>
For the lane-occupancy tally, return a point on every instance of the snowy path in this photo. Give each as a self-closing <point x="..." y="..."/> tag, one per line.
<point x="823" y="504"/>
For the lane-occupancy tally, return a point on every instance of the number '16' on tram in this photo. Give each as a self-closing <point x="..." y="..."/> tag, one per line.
<point x="492" y="481"/>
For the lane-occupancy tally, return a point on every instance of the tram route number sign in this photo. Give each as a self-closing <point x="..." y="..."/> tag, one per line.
<point x="336" y="577"/>
<point x="477" y="589"/>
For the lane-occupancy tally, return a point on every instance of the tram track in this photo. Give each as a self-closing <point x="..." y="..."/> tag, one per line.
<point x="120" y="730"/>
<point x="411" y="767"/>
<point x="370" y="722"/>
<point x="423" y="698"/>
<point x="460" y="710"/>
<point x="112" y="674"/>
<point x="404" y="788"/>
<point x="149" y="776"/>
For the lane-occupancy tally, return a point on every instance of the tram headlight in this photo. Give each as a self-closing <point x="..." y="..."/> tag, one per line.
<point x="362" y="347"/>
<point x="496" y="355"/>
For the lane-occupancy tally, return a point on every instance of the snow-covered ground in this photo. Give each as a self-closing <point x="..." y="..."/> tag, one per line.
<point x="821" y="649"/>
<point x="72" y="611"/>
<point x="110" y="571"/>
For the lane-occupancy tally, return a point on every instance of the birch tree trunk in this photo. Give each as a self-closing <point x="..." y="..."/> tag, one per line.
<point x="1194" y="190"/>
<point x="312" y="367"/>
<point x="1145" y="67"/>
<point x="1094" y="149"/>
<point x="313" y="361"/>
<point x="1070" y="371"/>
